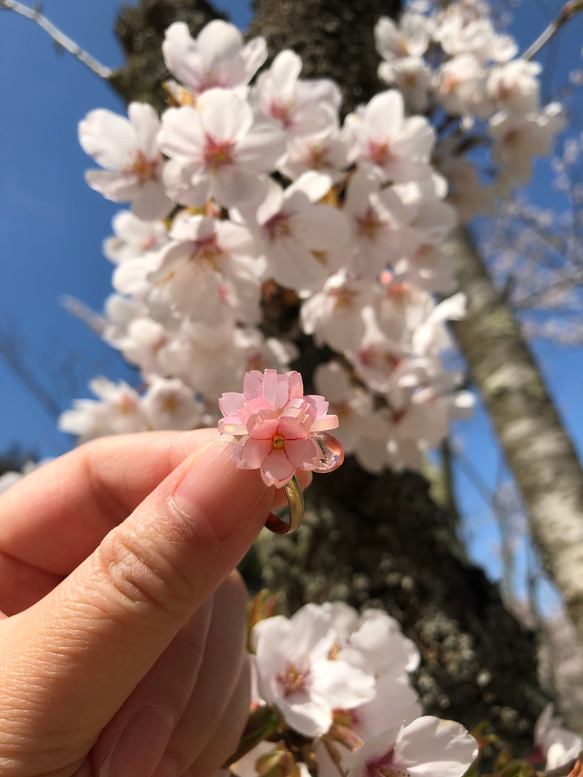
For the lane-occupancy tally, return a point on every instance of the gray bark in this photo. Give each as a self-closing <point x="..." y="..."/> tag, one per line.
<point x="531" y="433"/>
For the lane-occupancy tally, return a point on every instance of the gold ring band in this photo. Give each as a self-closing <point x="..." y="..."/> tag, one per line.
<point x="295" y="500"/>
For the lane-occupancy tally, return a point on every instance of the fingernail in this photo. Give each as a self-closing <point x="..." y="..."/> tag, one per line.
<point x="215" y="494"/>
<point x="141" y="745"/>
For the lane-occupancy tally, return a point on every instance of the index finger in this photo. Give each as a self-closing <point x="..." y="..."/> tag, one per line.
<point x="56" y="516"/>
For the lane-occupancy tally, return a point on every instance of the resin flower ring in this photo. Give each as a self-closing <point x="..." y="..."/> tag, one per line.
<point x="280" y="431"/>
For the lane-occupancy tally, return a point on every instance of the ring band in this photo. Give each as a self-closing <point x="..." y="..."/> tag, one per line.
<point x="295" y="500"/>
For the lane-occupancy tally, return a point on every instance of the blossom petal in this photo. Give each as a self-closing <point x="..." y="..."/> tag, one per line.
<point x="431" y="746"/>
<point x="303" y="454"/>
<point x="277" y="469"/>
<point x="250" y="453"/>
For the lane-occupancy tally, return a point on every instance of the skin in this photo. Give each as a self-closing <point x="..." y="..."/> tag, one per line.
<point x="123" y="624"/>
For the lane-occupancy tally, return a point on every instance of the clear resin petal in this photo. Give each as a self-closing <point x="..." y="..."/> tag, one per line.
<point x="332" y="452"/>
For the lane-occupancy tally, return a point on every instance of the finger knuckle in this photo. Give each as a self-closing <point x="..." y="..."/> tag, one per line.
<point x="141" y="575"/>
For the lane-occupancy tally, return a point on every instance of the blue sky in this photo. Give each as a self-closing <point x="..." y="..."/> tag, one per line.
<point x="52" y="226"/>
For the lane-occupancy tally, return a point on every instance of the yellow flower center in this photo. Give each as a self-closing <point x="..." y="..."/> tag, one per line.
<point x="277" y="441"/>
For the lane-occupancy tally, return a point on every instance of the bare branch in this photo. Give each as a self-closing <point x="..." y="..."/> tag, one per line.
<point x="59" y="37"/>
<point x="28" y="378"/>
<point x="567" y="12"/>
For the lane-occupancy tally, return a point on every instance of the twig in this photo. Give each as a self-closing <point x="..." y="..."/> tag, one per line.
<point x="28" y="378"/>
<point x="59" y="37"/>
<point x="567" y="12"/>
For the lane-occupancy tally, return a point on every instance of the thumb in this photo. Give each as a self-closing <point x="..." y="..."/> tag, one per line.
<point x="68" y="663"/>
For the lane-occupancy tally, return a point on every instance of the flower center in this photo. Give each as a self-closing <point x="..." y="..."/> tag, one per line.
<point x="379" y="153"/>
<point x="277" y="441"/>
<point x="278" y="226"/>
<point x="369" y="225"/>
<point x="293" y="679"/>
<point x="145" y="169"/>
<point x="281" y="112"/>
<point x="217" y="153"/>
<point x="385" y="767"/>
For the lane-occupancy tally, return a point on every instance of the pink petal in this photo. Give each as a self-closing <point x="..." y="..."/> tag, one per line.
<point x="263" y="425"/>
<point x="277" y="469"/>
<point x="296" y="385"/>
<point x="251" y="453"/>
<point x="319" y="402"/>
<point x="255" y="407"/>
<point x="326" y="422"/>
<point x="282" y="391"/>
<point x="231" y="402"/>
<point x="232" y="425"/>
<point x="253" y="384"/>
<point x="303" y="454"/>
<point x="303" y="412"/>
<point x="294" y="428"/>
<point x="270" y="386"/>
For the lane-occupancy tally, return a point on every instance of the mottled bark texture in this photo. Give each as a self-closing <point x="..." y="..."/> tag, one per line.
<point x="533" y="438"/>
<point x="335" y="39"/>
<point x="380" y="541"/>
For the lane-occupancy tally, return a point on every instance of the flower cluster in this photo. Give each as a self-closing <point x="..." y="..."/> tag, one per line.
<point x="255" y="209"/>
<point x="453" y="61"/>
<point x="340" y="680"/>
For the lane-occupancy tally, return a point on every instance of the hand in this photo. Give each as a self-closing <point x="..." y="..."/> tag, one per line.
<point x="122" y="632"/>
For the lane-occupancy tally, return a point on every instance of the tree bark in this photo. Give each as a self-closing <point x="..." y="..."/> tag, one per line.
<point x="377" y="541"/>
<point x="533" y="437"/>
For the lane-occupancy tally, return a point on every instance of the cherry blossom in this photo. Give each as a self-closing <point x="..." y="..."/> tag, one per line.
<point x="427" y="747"/>
<point x="278" y="423"/>
<point x="133" y="164"/>
<point x="118" y="411"/>
<point x="299" y="107"/>
<point x="389" y="144"/>
<point x="217" y="150"/>
<point x="217" y="58"/>
<point x="304" y="242"/>
<point x="209" y="264"/>
<point x="133" y="237"/>
<point x="350" y="403"/>
<point x="295" y="672"/>
<point x="409" y="38"/>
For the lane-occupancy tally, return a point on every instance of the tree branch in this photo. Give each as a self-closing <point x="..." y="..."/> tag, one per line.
<point x="59" y="37"/>
<point x="567" y="12"/>
<point x="28" y="378"/>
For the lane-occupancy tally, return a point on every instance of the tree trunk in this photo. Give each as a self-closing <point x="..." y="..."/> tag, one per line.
<point x="378" y="541"/>
<point x="533" y="438"/>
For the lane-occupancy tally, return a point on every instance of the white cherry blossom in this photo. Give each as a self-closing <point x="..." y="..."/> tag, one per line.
<point x="427" y="747"/>
<point x="217" y="58"/>
<point x="118" y="411"/>
<point x="216" y="149"/>
<point x="335" y="315"/>
<point x="299" y="107"/>
<point x="413" y="77"/>
<point x="169" y="404"/>
<point x="389" y="144"/>
<point x="350" y="403"/>
<point x="127" y="149"/>
<point x="378" y="218"/>
<point x="133" y="237"/>
<point x="209" y="265"/>
<point x="409" y="38"/>
<point x="304" y="242"/>
<point x="296" y="674"/>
